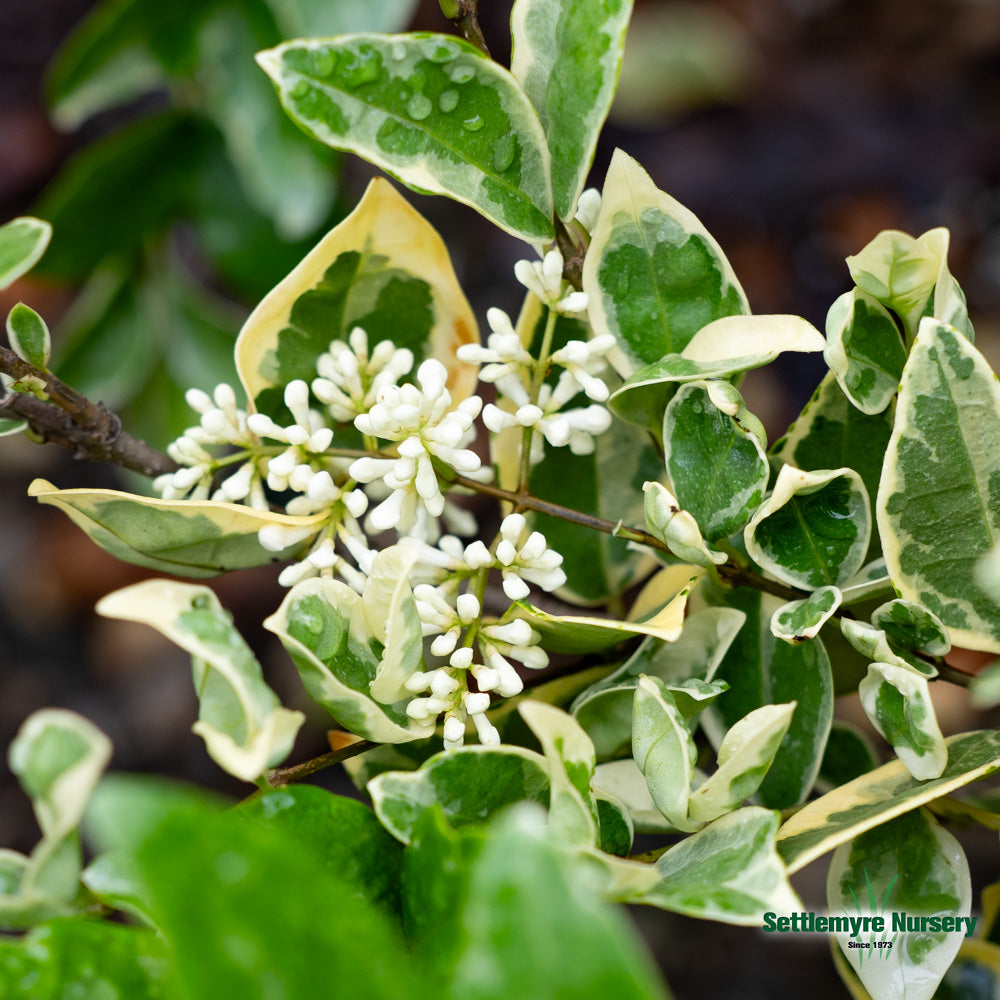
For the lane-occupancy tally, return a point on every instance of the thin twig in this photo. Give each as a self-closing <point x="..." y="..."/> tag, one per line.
<point x="279" y="776"/>
<point x="467" y="22"/>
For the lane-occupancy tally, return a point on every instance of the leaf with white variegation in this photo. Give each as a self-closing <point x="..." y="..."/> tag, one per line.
<point x="909" y="625"/>
<point x="432" y="110"/>
<point x="566" y="56"/>
<point x="717" y="467"/>
<point x="911" y="866"/>
<point x="813" y="530"/>
<point x="873" y="643"/>
<point x="865" y="350"/>
<point x="654" y="275"/>
<point x="939" y="499"/>
<point x="729" y="872"/>
<point x="898" y="704"/>
<point x="624" y="780"/>
<point x="29" y="336"/>
<point x="240" y="718"/>
<point x="797" y="621"/>
<point x="910" y="275"/>
<point x="22" y="243"/>
<point x="326" y="629"/>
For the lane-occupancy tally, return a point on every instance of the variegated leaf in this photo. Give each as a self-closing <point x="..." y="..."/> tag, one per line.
<point x="939" y="499"/>
<point x="624" y="780"/>
<point x="431" y="110"/>
<point x="878" y="796"/>
<point x="183" y="537"/>
<point x="909" y="866"/>
<point x="22" y="243"/>
<point x="849" y="754"/>
<point x="676" y="528"/>
<point x="385" y="269"/>
<point x="240" y="718"/>
<point x="29" y="336"/>
<point x="654" y="275"/>
<point x="898" y="704"/>
<point x="909" y="625"/>
<point x="800" y="620"/>
<point x="813" y="530"/>
<point x="566" y="56"/>
<point x="864" y="350"/>
<point x="873" y="644"/>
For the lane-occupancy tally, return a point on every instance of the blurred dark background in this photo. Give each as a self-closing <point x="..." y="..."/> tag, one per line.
<point x="795" y="129"/>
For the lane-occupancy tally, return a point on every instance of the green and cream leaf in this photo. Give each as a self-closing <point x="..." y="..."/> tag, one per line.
<point x="29" y="336"/>
<point x="913" y="627"/>
<point x="22" y="243"/>
<point x="797" y="621"/>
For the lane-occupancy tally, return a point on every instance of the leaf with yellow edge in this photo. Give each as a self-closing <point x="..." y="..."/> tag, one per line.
<point x="385" y="269"/>
<point x="187" y="538"/>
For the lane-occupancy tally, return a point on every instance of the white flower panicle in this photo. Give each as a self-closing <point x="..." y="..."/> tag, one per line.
<point x="350" y="379"/>
<point x="420" y="421"/>
<point x="543" y="278"/>
<point x="588" y="208"/>
<point x="533" y="561"/>
<point x="503" y="354"/>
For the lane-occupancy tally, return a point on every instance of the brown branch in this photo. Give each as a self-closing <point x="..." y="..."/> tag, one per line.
<point x="572" y="254"/>
<point x="466" y="19"/>
<point x="279" y="776"/>
<point x="69" y="419"/>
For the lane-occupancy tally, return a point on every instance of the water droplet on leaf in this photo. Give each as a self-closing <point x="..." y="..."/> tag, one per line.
<point x="461" y="73"/>
<point x="503" y="153"/>
<point x="419" y="106"/>
<point x="448" y="100"/>
<point x="473" y="124"/>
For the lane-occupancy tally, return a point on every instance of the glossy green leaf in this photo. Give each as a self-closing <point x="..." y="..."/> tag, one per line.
<point x="9" y="427"/>
<point x="385" y="269"/>
<point x="521" y="887"/>
<point x="879" y="795"/>
<point x="865" y="350"/>
<point x="566" y="56"/>
<point x="22" y="243"/>
<point x="762" y="670"/>
<point x="910" y="276"/>
<point x="873" y="644"/>
<point x="244" y="727"/>
<point x="29" y="336"/>
<point x="332" y="635"/>
<point x="604" y="709"/>
<point x="729" y="871"/>
<point x="624" y="780"/>
<point x="813" y="530"/>
<point x="470" y="785"/>
<point x="797" y="621"/>
<point x="614" y="821"/>
<point x="432" y="110"/>
<point x="898" y="704"/>
<point x="183" y="537"/>
<point x="848" y="754"/>
<point x="909" y="866"/>
<point x="909" y="625"/>
<point x="113" y="879"/>
<point x="570" y="755"/>
<point x="717" y="467"/>
<point x="85" y="958"/>
<point x="654" y="275"/>
<point x="939" y="500"/>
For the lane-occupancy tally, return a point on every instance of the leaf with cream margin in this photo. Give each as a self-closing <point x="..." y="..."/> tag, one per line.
<point x="878" y="796"/>
<point x="184" y="537"/>
<point x="913" y="627"/>
<point x="566" y="56"/>
<point x="898" y="704"/>
<point x="654" y="274"/>
<point x="873" y="644"/>
<point x="745" y="755"/>
<point x="938" y="505"/>
<point x="729" y="872"/>
<point x="567" y="748"/>
<point x="910" y="276"/>
<point x="29" y="336"/>
<point x="676" y="528"/>
<point x="623" y="779"/>
<point x="244" y="727"/>
<point x="797" y="621"/>
<point x="431" y="110"/>
<point x="385" y="269"/>
<point x="22" y="243"/>
<point x="912" y="866"/>
<point x="813" y="530"/>
<point x="325" y="628"/>
<point x="721" y="349"/>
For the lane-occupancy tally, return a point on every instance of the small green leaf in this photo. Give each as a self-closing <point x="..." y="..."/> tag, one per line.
<point x="676" y="528"/>
<point x="879" y="795"/>
<point x="470" y="785"/>
<point x="29" y="336"/>
<point x="898" y="704"/>
<point x="939" y="500"/>
<point x="873" y="644"/>
<point x="567" y="56"/>
<point x="800" y="620"/>
<point x="865" y="350"/>
<point x="730" y="872"/>
<point x="909" y="866"/>
<point x="813" y="530"/>
<point x="913" y="627"/>
<point x="654" y="275"/>
<point x="717" y="467"/>
<point x="244" y="727"/>
<point x="430" y="109"/>
<point x="22" y="243"/>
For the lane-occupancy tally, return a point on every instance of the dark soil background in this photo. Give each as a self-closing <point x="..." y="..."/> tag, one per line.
<point x="795" y="129"/>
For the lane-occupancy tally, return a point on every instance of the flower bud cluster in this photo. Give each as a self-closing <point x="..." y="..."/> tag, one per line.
<point x="544" y="279"/>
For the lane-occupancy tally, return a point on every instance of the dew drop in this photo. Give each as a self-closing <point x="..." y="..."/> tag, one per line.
<point x="503" y="153"/>
<point x="473" y="124"/>
<point x="448" y="100"/>
<point x="364" y="67"/>
<point x="441" y="54"/>
<point x="419" y="106"/>
<point x="461" y="73"/>
<point x="322" y="62"/>
<point x="398" y="51"/>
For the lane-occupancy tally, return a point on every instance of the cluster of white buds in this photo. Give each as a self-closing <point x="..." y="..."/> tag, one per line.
<point x="583" y="361"/>
<point x="350" y="379"/>
<point x="221" y="422"/>
<point x="420" y="421"/>
<point x="588" y="208"/>
<point x="504" y="354"/>
<point x="544" y="279"/>
<point x="450" y="557"/>
<point x="533" y="560"/>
